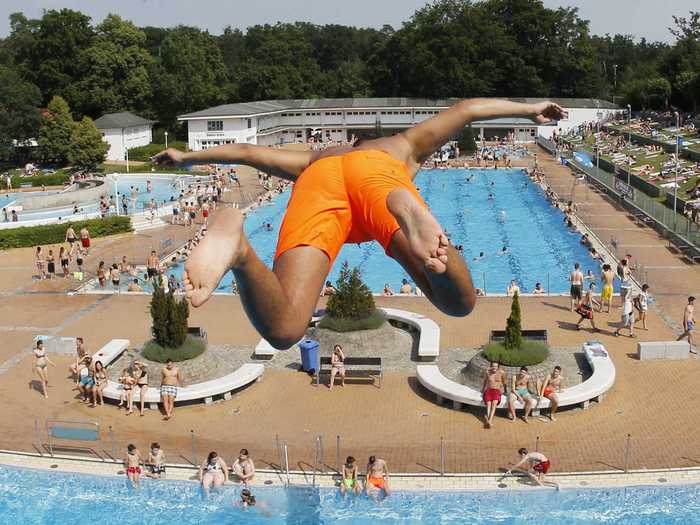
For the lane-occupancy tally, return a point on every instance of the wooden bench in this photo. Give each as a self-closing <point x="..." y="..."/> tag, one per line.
<point x="593" y="388"/>
<point x="355" y="367"/>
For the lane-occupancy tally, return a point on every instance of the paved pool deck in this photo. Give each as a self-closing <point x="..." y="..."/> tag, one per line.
<point x="399" y="422"/>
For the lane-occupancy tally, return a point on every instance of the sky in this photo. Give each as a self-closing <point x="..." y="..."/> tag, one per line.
<point x="642" y="18"/>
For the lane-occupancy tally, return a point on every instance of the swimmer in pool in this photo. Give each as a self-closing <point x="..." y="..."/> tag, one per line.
<point x="341" y="194"/>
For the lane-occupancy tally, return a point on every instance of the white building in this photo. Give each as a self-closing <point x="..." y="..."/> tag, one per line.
<point x="281" y="121"/>
<point x="124" y="131"/>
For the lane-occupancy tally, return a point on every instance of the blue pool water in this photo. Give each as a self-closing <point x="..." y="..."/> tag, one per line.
<point x="163" y="188"/>
<point x="50" y="498"/>
<point x="540" y="247"/>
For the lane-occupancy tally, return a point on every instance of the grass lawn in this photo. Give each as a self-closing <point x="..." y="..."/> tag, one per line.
<point x="656" y="161"/>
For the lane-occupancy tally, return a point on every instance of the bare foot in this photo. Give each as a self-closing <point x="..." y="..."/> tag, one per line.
<point x="425" y="237"/>
<point x="221" y="249"/>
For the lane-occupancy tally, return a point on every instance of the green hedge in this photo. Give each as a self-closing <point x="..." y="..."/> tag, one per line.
<point x="144" y="153"/>
<point x="530" y="353"/>
<point x="351" y="325"/>
<point x="191" y="349"/>
<point x="55" y="179"/>
<point x="56" y="233"/>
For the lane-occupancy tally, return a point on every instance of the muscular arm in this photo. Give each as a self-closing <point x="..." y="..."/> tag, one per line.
<point x="286" y="164"/>
<point x="425" y="138"/>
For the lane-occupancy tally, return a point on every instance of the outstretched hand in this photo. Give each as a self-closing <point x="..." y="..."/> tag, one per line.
<point x="168" y="156"/>
<point x="546" y="112"/>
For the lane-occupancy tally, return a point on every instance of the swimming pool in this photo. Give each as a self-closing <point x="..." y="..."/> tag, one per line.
<point x="163" y="189"/>
<point x="540" y="248"/>
<point x="51" y="498"/>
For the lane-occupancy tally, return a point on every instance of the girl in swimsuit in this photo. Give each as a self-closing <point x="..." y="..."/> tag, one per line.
<point x="213" y="471"/>
<point x="141" y="375"/>
<point x="128" y="381"/>
<point x="39" y="257"/>
<point x="41" y="360"/>
<point x="101" y="274"/>
<point x="99" y="377"/>
<point x="337" y="366"/>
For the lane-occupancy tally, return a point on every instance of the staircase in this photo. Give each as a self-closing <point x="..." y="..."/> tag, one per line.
<point x="142" y="221"/>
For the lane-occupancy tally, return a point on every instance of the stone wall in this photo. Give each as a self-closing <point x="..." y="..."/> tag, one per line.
<point x="69" y="198"/>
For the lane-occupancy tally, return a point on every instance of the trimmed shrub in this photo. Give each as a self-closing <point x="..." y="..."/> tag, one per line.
<point x="54" y="179"/>
<point x="190" y="349"/>
<point x="169" y="316"/>
<point x="466" y="140"/>
<point x="56" y="233"/>
<point x="352" y="306"/>
<point x="514" y="331"/>
<point x="372" y="322"/>
<point x="353" y="299"/>
<point x="528" y="354"/>
<point x="144" y="153"/>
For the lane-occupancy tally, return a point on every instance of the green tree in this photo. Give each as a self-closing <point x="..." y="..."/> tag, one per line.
<point x="114" y="70"/>
<point x="466" y="141"/>
<point x="56" y="132"/>
<point x="353" y="299"/>
<point x="47" y="50"/>
<point x="19" y="115"/>
<point x="87" y="149"/>
<point x="190" y="74"/>
<point x="514" y="332"/>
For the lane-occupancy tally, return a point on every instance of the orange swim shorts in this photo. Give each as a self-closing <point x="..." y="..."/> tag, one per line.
<point x="339" y="200"/>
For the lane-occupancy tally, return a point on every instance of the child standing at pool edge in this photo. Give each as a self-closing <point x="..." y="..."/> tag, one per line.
<point x="132" y="462"/>
<point x="342" y="194"/>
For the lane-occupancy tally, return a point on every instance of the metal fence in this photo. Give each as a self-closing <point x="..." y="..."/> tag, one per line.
<point x="322" y="454"/>
<point x="661" y="217"/>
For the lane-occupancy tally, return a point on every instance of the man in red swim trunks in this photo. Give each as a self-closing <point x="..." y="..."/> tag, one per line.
<point x="492" y="389"/>
<point x="346" y="194"/>
<point x="538" y="466"/>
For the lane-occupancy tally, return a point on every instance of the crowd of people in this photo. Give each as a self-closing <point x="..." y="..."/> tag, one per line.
<point x="58" y="260"/>
<point x="91" y="378"/>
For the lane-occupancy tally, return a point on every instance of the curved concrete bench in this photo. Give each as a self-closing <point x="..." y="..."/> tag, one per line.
<point x="593" y="388"/>
<point x="206" y="390"/>
<point x="111" y="351"/>
<point x="248" y="373"/>
<point x="428" y="341"/>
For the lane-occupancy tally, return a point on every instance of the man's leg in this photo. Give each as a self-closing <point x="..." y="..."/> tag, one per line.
<point x="280" y="302"/>
<point x="554" y="404"/>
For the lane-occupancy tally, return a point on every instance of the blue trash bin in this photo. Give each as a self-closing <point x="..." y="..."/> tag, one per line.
<point x="310" y="361"/>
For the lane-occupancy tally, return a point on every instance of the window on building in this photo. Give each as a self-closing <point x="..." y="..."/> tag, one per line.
<point x="215" y="125"/>
<point x="250" y="123"/>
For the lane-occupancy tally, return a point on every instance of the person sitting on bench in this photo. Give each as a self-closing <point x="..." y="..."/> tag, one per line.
<point x="337" y="366"/>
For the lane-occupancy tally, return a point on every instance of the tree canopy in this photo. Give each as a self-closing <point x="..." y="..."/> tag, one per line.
<point x="449" y="48"/>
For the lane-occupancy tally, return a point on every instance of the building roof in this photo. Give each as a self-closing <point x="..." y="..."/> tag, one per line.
<point x="270" y="106"/>
<point x="125" y="119"/>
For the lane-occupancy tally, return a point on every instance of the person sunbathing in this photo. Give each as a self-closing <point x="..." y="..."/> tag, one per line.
<point x="343" y="194"/>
